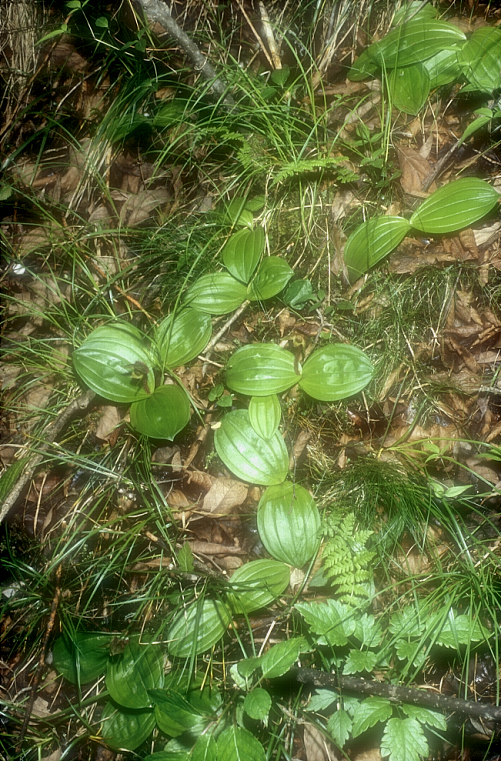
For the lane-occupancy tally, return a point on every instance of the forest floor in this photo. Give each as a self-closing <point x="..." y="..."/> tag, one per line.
<point x="127" y="177"/>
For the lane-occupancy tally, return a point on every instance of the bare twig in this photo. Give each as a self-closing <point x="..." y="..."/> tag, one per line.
<point x="50" y="434"/>
<point x="157" y="12"/>
<point x="399" y="694"/>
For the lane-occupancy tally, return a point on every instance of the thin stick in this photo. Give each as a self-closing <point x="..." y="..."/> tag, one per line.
<point x="49" y="436"/>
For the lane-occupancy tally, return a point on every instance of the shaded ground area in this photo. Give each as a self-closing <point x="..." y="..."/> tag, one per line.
<point x="164" y="596"/>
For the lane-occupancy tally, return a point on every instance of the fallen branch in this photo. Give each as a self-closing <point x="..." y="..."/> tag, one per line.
<point x="397" y="693"/>
<point x="157" y="12"/>
<point x="49" y="436"/>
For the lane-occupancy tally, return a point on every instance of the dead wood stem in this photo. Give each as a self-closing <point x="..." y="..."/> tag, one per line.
<point x="157" y="12"/>
<point x="49" y="436"/>
<point x="397" y="693"/>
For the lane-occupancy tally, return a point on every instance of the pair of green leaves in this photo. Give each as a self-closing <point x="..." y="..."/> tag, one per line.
<point x="424" y="53"/>
<point x="450" y="208"/>
<point x="222" y="292"/>
<point x="118" y="362"/>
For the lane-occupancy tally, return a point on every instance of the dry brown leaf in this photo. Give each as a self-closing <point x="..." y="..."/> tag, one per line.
<point x="109" y="421"/>
<point x="224" y="495"/>
<point x="415" y="169"/>
<point x="178" y="500"/>
<point x="213" y="548"/>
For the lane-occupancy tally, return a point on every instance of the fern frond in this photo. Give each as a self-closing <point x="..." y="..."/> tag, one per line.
<point x="347" y="561"/>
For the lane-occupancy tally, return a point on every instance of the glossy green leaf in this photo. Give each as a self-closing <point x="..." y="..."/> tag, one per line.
<point x="257" y="704"/>
<point x="476" y="124"/>
<point x="82" y="657"/>
<point x="182" y="336"/>
<point x="242" y="253"/>
<point x="413" y="10"/>
<point x="247" y="455"/>
<point x="280" y="657"/>
<point x="174" y="714"/>
<point x="238" y="213"/>
<point x="257" y="584"/>
<point x="205" y="749"/>
<point x="261" y="370"/>
<point x="443" y="68"/>
<point x="298" y="293"/>
<point x="237" y="744"/>
<point x="409" y="88"/>
<point x="425" y="716"/>
<point x="370" y="712"/>
<point x="454" y="206"/>
<point x="480" y="58"/>
<point x="116" y="363"/>
<point x="272" y="276"/>
<point x="335" y="372"/>
<point x="130" y="675"/>
<point x="216" y="293"/>
<point x="332" y="622"/>
<point x="125" y="729"/>
<point x="372" y="241"/>
<point x="197" y="628"/>
<point x="265" y="414"/>
<point x="413" y="42"/>
<point x="163" y="414"/>
<point x="288" y="522"/>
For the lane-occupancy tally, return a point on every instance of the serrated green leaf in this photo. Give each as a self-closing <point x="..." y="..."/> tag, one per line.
<point x="279" y="658"/>
<point x="237" y="744"/>
<point x="409" y="88"/>
<point x="261" y="370"/>
<point x="335" y="372"/>
<point x="129" y="676"/>
<point x="339" y="727"/>
<point x="370" y="712"/>
<point x="248" y="666"/>
<point x="480" y="58"/>
<point x="411" y="652"/>
<point x="242" y="253"/>
<point x="257" y="704"/>
<point x="404" y="740"/>
<point x="247" y="455"/>
<point x="454" y="206"/>
<point x="257" y="584"/>
<point x="460" y="630"/>
<point x="125" y="729"/>
<point x="289" y="523"/>
<point x="216" y="293"/>
<point x="425" y="716"/>
<point x="406" y="622"/>
<point x="162" y="414"/>
<point x="322" y="699"/>
<point x="368" y="631"/>
<point x="265" y="414"/>
<point x="272" y="276"/>
<point x="371" y="242"/>
<point x="331" y="621"/>
<point x="82" y="657"/>
<point x="116" y="363"/>
<point x="197" y="628"/>
<point x="360" y="660"/>
<point x="182" y="336"/>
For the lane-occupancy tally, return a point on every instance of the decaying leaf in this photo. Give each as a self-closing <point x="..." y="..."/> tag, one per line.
<point x="415" y="169"/>
<point x="224" y="495"/>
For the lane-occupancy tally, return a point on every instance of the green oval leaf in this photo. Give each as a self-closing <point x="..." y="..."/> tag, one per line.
<point x="138" y="669"/>
<point x="480" y="58"/>
<point x="335" y="372"/>
<point x="257" y="584"/>
<point x="238" y="212"/>
<point x="126" y="729"/>
<point x="242" y="253"/>
<point x="247" y="455"/>
<point x="272" y="277"/>
<point x="280" y="657"/>
<point x="82" y="657"/>
<point x="265" y="414"/>
<point x="257" y="704"/>
<point x="216" y="293"/>
<point x="443" y="68"/>
<point x="237" y="744"/>
<point x="409" y="88"/>
<point x="261" y="370"/>
<point x="371" y="242"/>
<point x="182" y="336"/>
<point x="115" y="362"/>
<point x="163" y="414"/>
<point x="414" y="10"/>
<point x="455" y="206"/>
<point x="197" y="628"/>
<point x="288" y="522"/>
<point x="174" y="714"/>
